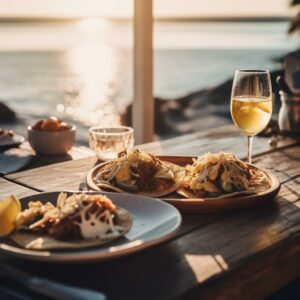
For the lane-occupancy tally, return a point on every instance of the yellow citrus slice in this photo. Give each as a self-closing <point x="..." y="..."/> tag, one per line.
<point x="265" y="106"/>
<point x="9" y="208"/>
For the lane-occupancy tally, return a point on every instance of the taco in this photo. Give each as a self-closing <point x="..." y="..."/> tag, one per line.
<point x="141" y="173"/>
<point x="77" y="221"/>
<point x="222" y="175"/>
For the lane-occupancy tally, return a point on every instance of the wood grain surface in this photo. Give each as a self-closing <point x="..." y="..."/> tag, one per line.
<point x="224" y="259"/>
<point x="241" y="255"/>
<point x="227" y="138"/>
<point x="67" y="175"/>
<point x="8" y="188"/>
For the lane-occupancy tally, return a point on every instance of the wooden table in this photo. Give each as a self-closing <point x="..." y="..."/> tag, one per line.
<point x="241" y="255"/>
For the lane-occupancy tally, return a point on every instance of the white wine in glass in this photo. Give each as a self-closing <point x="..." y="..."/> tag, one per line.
<point x="251" y="103"/>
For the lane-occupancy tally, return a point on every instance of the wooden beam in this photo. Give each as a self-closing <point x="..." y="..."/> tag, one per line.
<point x="143" y="105"/>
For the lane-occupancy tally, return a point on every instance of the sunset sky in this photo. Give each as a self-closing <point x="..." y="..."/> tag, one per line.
<point x="162" y="8"/>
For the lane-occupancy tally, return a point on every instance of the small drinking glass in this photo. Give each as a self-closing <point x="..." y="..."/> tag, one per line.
<point x="108" y="142"/>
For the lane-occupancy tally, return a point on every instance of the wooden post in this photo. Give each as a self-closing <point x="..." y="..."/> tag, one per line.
<point x="143" y="105"/>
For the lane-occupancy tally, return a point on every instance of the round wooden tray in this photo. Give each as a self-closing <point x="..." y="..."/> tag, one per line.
<point x="205" y="205"/>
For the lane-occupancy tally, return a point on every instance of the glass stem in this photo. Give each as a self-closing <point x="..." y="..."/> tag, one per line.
<point x="250" y="142"/>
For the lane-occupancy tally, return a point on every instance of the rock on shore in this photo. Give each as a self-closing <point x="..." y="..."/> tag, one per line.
<point x="7" y="115"/>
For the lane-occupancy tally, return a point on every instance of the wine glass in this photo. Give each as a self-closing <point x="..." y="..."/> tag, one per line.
<point x="251" y="103"/>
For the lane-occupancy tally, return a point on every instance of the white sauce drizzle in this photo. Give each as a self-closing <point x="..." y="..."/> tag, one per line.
<point x="92" y="227"/>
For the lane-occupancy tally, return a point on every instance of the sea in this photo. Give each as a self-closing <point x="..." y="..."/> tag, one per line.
<point x="81" y="71"/>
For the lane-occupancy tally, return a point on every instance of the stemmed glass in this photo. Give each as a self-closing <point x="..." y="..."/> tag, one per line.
<point x="251" y="103"/>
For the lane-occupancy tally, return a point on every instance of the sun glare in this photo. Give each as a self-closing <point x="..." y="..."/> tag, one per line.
<point x="95" y="64"/>
<point x="93" y="24"/>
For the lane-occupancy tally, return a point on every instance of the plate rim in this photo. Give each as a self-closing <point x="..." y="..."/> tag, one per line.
<point x="14" y="143"/>
<point x="78" y="256"/>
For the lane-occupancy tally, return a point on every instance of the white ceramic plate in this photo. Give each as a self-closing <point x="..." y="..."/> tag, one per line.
<point x="153" y="222"/>
<point x="16" y="140"/>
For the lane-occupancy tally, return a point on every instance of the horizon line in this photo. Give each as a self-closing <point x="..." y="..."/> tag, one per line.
<point x="53" y="19"/>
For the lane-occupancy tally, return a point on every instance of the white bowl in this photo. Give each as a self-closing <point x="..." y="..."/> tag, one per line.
<point x="51" y="142"/>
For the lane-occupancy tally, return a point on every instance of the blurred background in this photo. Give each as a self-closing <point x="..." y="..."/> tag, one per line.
<point x="73" y="58"/>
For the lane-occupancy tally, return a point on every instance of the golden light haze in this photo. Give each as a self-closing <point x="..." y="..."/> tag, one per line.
<point x="162" y="8"/>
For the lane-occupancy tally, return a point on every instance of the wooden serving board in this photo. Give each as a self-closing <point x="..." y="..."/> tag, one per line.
<point x="205" y="205"/>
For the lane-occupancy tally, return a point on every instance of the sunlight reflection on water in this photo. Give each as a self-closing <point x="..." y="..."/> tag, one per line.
<point x="95" y="65"/>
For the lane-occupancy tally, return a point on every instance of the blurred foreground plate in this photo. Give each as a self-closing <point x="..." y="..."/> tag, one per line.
<point x="153" y="222"/>
<point x="15" y="141"/>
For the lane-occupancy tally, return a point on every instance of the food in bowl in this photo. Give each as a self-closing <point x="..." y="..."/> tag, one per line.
<point x="222" y="174"/>
<point x="51" y="136"/>
<point x="51" y="124"/>
<point x="75" y="221"/>
<point x="141" y="173"/>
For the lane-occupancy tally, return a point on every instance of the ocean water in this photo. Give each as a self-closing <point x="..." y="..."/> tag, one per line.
<point x="82" y="71"/>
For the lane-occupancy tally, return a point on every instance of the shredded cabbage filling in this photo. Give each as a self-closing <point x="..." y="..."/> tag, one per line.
<point x="222" y="172"/>
<point x="134" y="172"/>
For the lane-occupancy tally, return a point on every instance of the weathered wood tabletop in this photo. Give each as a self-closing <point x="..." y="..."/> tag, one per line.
<point x="241" y="255"/>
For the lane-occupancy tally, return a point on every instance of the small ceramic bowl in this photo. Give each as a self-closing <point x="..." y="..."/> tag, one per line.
<point x="51" y="142"/>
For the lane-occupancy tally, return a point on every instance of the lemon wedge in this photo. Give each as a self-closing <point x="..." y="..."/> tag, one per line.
<point x="9" y="209"/>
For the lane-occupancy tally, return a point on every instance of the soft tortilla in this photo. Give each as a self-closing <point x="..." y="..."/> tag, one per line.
<point x="190" y="195"/>
<point x="254" y="190"/>
<point x="179" y="176"/>
<point x="34" y="241"/>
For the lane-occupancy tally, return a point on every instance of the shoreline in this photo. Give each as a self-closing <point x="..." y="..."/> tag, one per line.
<point x="163" y="19"/>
